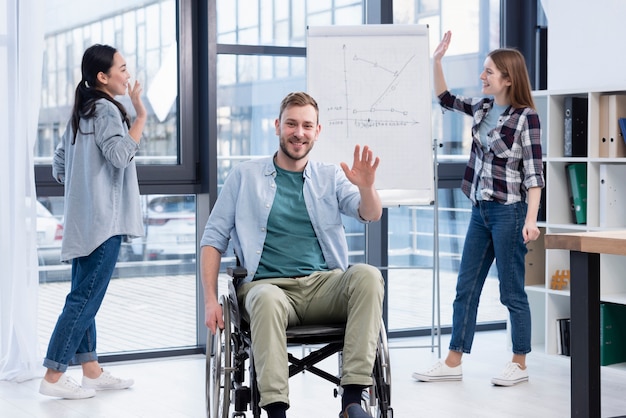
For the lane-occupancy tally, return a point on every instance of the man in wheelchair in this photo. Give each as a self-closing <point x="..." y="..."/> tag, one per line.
<point x="283" y="215"/>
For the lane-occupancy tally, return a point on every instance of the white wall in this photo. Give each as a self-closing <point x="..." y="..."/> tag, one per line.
<point x="586" y="44"/>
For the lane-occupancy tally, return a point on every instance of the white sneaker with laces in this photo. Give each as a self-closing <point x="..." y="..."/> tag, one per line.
<point x="66" y="388"/>
<point x="440" y="372"/>
<point x="106" y="382"/>
<point x="511" y="375"/>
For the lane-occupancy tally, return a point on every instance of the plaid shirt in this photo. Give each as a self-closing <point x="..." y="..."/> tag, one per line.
<point x="512" y="164"/>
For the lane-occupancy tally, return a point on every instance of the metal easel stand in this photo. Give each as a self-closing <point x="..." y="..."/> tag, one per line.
<point x="435" y="328"/>
<point x="436" y="311"/>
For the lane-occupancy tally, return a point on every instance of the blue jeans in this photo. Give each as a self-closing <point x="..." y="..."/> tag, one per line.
<point x="495" y="231"/>
<point x="73" y="340"/>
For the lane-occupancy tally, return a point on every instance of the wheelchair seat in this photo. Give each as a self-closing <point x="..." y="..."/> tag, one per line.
<point x="226" y="363"/>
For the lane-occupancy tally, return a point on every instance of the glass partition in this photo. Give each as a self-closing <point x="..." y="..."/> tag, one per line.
<point x="144" y="32"/>
<point x="151" y="300"/>
<point x="475" y="26"/>
<point x="251" y="86"/>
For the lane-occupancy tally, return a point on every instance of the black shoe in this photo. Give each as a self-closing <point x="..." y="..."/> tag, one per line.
<point x="354" y="410"/>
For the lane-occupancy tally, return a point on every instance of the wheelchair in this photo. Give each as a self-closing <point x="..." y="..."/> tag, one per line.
<point x="226" y="366"/>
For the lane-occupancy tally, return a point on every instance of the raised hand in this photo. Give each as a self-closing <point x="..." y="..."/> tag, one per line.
<point x="134" y="92"/>
<point x="363" y="171"/>
<point x="441" y="49"/>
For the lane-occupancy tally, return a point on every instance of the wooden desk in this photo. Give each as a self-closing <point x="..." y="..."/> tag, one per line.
<point x="585" y="249"/>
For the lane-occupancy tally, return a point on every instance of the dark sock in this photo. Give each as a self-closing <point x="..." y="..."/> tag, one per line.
<point x="351" y="394"/>
<point x="276" y="410"/>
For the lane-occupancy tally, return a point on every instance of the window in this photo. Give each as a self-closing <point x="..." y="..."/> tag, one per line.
<point x="149" y="36"/>
<point x="475" y="26"/>
<point x="251" y="83"/>
<point x="258" y="56"/>
<point x="146" y="36"/>
<point x="151" y="301"/>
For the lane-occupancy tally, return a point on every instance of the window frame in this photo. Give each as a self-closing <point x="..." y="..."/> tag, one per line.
<point x="184" y="176"/>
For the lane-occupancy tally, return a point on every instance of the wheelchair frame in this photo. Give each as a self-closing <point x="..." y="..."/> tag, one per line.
<point x="232" y="353"/>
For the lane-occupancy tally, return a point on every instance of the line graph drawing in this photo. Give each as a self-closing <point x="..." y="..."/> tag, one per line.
<point x="381" y="111"/>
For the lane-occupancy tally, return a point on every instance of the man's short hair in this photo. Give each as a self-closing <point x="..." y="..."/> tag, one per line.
<point x="298" y="98"/>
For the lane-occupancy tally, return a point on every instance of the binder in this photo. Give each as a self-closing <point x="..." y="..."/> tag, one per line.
<point x="567" y="326"/>
<point x="559" y="341"/>
<point x="577" y="187"/>
<point x="604" y="126"/>
<point x="612" y="196"/>
<point x="563" y="326"/>
<point x="564" y="329"/>
<point x="622" y="128"/>
<point x="575" y="129"/>
<point x="612" y="109"/>
<point x="612" y="333"/>
<point x="535" y="261"/>
<point x="541" y="214"/>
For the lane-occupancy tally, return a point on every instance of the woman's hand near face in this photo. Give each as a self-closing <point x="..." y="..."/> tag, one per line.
<point x="134" y="92"/>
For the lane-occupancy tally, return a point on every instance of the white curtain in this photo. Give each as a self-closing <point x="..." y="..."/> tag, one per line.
<point x="21" y="58"/>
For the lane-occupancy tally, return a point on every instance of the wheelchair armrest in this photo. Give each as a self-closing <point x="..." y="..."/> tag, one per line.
<point x="237" y="272"/>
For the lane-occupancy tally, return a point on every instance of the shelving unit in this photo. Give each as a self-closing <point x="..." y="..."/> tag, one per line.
<point x="606" y="205"/>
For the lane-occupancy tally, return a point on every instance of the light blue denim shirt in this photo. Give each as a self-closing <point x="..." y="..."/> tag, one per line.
<point x="100" y="177"/>
<point x="243" y="207"/>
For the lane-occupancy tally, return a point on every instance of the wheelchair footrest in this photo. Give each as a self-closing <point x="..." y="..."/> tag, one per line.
<point x="242" y="397"/>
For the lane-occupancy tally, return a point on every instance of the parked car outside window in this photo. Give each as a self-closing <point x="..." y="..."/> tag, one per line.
<point x="49" y="236"/>
<point x="170" y="227"/>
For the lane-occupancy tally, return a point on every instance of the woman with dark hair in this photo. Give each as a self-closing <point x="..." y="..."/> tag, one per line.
<point x="503" y="180"/>
<point x="95" y="162"/>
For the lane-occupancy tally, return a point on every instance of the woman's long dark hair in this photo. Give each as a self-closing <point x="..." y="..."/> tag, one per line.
<point x="97" y="58"/>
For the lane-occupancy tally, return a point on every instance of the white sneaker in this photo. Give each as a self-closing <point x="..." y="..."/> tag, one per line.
<point x="511" y="375"/>
<point x="106" y="381"/>
<point x="65" y="388"/>
<point x="439" y="372"/>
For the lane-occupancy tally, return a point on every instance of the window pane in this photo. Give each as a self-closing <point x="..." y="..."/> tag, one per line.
<point x="411" y="260"/>
<point x="476" y="31"/>
<point x="280" y="22"/>
<point x="151" y="300"/>
<point x="250" y="91"/>
<point x="475" y="26"/>
<point x="251" y="87"/>
<point x="145" y="34"/>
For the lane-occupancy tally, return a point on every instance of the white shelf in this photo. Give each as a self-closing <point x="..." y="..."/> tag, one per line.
<point x="606" y="203"/>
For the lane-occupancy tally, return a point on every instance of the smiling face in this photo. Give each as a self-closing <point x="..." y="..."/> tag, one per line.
<point x="115" y="81"/>
<point x="495" y="83"/>
<point x="297" y="130"/>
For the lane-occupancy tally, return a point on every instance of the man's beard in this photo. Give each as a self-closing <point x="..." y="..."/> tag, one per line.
<point x="284" y="147"/>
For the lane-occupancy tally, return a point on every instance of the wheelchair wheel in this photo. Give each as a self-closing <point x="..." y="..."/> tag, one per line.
<point x="377" y="398"/>
<point x="219" y="368"/>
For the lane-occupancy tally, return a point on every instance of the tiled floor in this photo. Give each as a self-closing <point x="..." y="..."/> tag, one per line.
<point x="174" y="388"/>
<point x="151" y="312"/>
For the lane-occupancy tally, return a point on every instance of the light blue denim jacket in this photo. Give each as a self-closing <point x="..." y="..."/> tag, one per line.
<point x="243" y="207"/>
<point x="100" y="177"/>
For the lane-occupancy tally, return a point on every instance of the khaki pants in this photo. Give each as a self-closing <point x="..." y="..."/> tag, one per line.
<point x="271" y="305"/>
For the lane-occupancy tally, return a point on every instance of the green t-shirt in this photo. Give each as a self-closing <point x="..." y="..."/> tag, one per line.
<point x="291" y="248"/>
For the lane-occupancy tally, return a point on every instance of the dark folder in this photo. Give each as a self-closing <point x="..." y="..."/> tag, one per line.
<point x="575" y="129"/>
<point x="577" y="187"/>
<point x="612" y="333"/>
